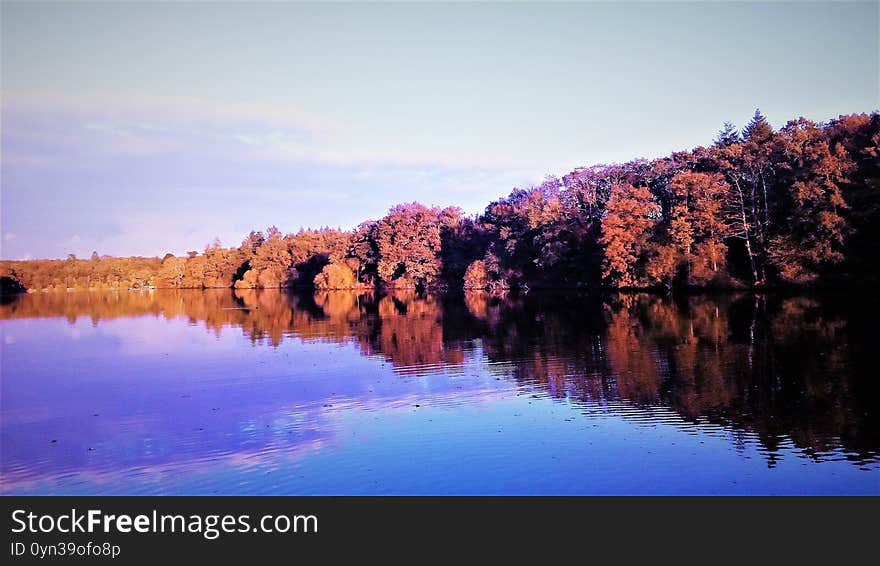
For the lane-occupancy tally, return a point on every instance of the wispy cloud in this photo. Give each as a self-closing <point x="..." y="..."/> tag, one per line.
<point x="154" y="109"/>
<point x="40" y="126"/>
<point x="149" y="174"/>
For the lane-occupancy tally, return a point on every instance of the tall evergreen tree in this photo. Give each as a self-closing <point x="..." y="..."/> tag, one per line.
<point x="727" y="135"/>
<point x="758" y="129"/>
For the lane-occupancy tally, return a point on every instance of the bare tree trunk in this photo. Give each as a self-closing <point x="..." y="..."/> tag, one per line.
<point x="751" y="259"/>
<point x="714" y="251"/>
<point x="766" y="206"/>
<point x="746" y="232"/>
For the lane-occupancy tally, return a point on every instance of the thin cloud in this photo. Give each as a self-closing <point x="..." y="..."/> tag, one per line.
<point x="139" y="170"/>
<point x="42" y="127"/>
<point x="175" y="109"/>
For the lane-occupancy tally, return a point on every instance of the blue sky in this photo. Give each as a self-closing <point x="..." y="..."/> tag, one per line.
<point x="141" y="128"/>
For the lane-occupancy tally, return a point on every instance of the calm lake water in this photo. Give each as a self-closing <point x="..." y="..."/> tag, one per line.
<point x="202" y="392"/>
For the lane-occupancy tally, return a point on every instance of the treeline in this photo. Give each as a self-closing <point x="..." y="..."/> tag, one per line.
<point x="98" y="272"/>
<point x="798" y="206"/>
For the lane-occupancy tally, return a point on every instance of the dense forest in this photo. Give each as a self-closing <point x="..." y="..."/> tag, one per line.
<point x="758" y="207"/>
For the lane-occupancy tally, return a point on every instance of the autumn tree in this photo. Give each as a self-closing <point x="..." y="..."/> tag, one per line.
<point x="629" y="217"/>
<point x="859" y="135"/>
<point x="693" y="248"/>
<point x="269" y="261"/>
<point x="476" y="277"/>
<point x="172" y="272"/>
<point x="749" y="171"/>
<point x="408" y="239"/>
<point x="363" y="248"/>
<point x="220" y="265"/>
<point x="758" y="129"/>
<point x="335" y="276"/>
<point x="312" y="250"/>
<point x="811" y="174"/>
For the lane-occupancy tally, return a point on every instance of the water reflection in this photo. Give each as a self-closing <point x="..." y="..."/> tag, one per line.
<point x="791" y="374"/>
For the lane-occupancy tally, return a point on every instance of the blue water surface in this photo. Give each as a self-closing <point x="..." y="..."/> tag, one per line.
<point x="208" y="392"/>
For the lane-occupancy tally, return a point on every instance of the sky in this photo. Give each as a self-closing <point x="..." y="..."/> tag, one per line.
<point x="144" y="128"/>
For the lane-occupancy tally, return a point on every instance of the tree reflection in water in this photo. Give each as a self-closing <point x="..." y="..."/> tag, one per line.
<point x="783" y="368"/>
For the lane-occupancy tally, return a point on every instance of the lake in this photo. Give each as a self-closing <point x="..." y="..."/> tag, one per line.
<point x="269" y="392"/>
